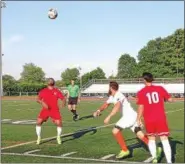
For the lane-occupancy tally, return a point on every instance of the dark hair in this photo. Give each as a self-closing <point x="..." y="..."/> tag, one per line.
<point x="114" y="85"/>
<point x="52" y="80"/>
<point x="148" y="77"/>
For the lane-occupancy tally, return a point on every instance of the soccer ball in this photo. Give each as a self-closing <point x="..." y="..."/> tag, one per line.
<point x="52" y="13"/>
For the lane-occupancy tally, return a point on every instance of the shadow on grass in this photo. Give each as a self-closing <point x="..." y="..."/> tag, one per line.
<point x="76" y="135"/>
<point x="173" y="144"/>
<point x="86" y="117"/>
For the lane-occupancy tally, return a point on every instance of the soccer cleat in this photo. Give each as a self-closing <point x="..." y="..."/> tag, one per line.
<point x="38" y="140"/>
<point x="122" y="154"/>
<point x="75" y="117"/>
<point x="155" y="160"/>
<point x="159" y="152"/>
<point x="59" y="141"/>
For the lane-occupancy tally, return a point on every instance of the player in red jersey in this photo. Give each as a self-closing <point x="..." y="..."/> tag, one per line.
<point x="48" y="98"/>
<point x="151" y="107"/>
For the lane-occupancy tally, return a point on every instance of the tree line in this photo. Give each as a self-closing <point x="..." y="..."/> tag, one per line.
<point x="164" y="57"/>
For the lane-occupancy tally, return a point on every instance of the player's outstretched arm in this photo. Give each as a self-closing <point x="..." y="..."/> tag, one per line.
<point x="113" y="112"/>
<point x="102" y="108"/>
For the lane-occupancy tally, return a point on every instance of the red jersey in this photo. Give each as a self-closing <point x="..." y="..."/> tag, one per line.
<point x="50" y="97"/>
<point x="152" y="98"/>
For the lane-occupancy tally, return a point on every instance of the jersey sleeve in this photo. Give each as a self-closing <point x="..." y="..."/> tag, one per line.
<point x="60" y="95"/>
<point x="119" y="98"/>
<point x="165" y="94"/>
<point x="140" y="99"/>
<point x="110" y="100"/>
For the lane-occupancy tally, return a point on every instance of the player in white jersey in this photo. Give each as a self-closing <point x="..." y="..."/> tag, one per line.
<point x="128" y="119"/>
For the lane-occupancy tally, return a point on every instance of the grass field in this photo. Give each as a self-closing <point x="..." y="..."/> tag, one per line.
<point x="86" y="140"/>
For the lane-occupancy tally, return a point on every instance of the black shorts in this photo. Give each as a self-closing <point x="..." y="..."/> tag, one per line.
<point x="73" y="101"/>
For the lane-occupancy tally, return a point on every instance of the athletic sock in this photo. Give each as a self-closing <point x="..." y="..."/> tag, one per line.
<point x="167" y="150"/>
<point x="120" y="140"/>
<point x="145" y="139"/>
<point x="152" y="148"/>
<point x="38" y="130"/>
<point x="59" y="131"/>
<point x="74" y="112"/>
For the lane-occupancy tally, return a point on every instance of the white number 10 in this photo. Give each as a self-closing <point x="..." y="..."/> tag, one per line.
<point x="153" y="97"/>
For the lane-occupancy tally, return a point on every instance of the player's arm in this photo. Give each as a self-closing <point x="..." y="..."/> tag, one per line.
<point x="62" y="98"/>
<point x="166" y="95"/>
<point x="102" y="108"/>
<point x="113" y="112"/>
<point x="140" y="109"/>
<point x="40" y="101"/>
<point x="140" y="114"/>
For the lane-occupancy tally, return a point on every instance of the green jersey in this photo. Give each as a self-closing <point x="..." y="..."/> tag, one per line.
<point x="73" y="90"/>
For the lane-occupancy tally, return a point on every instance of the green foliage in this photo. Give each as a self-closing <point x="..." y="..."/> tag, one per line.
<point x="9" y="83"/>
<point x="164" y="57"/>
<point x="97" y="73"/>
<point x="32" y="74"/>
<point x="69" y="74"/>
<point x="126" y="66"/>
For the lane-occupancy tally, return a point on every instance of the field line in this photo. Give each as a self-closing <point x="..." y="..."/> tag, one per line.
<point x="49" y="138"/>
<point x="175" y="110"/>
<point x="67" y="154"/>
<point x="61" y="157"/>
<point x="32" y="151"/>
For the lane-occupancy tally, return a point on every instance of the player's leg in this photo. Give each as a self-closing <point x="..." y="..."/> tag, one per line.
<point x="138" y="131"/>
<point x="151" y="133"/>
<point x="43" y="116"/>
<point x="57" y="119"/>
<point x="120" y="139"/>
<point x="74" y="105"/>
<point x="163" y="132"/>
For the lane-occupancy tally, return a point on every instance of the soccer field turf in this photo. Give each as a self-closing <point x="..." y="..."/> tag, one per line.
<point x="86" y="140"/>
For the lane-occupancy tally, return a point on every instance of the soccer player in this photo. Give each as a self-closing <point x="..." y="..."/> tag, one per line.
<point x="48" y="98"/>
<point x="73" y="96"/>
<point x="128" y="119"/>
<point x="151" y="107"/>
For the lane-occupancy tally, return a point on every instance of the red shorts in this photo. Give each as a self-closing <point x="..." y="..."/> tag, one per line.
<point x="157" y="128"/>
<point x="54" y="114"/>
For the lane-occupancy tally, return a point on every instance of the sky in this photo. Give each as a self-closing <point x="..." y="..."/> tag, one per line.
<point x="86" y="33"/>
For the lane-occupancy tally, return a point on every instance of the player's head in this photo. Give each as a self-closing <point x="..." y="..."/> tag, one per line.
<point x="72" y="81"/>
<point x="113" y="87"/>
<point x="51" y="82"/>
<point x="148" y="77"/>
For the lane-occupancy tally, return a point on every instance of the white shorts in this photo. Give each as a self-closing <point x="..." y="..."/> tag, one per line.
<point x="126" y="122"/>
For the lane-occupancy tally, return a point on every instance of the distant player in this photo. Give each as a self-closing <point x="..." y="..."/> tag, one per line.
<point x="48" y="98"/>
<point x="73" y="96"/>
<point x="151" y="107"/>
<point x="128" y="119"/>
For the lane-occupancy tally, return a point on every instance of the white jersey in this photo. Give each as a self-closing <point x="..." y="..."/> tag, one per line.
<point x="126" y="108"/>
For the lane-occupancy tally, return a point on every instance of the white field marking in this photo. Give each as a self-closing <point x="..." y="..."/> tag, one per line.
<point x="24" y="122"/>
<point x="150" y="158"/>
<point x="5" y="120"/>
<point x="73" y="158"/>
<point x="108" y="156"/>
<point x="32" y="151"/>
<point x="67" y="154"/>
<point x="49" y="138"/>
<point x="175" y="110"/>
<point x="9" y="105"/>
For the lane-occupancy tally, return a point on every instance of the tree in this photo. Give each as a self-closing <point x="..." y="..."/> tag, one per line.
<point x="164" y="57"/>
<point x="126" y="66"/>
<point x="69" y="74"/>
<point x="9" y="83"/>
<point x="85" y="78"/>
<point x="32" y="74"/>
<point x="97" y="73"/>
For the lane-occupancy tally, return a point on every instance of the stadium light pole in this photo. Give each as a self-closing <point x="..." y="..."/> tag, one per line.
<point x="79" y="68"/>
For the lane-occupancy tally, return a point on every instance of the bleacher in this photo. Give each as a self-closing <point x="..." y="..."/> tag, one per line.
<point x="133" y="86"/>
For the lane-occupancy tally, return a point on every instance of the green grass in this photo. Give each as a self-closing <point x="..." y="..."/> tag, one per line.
<point x="90" y="143"/>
